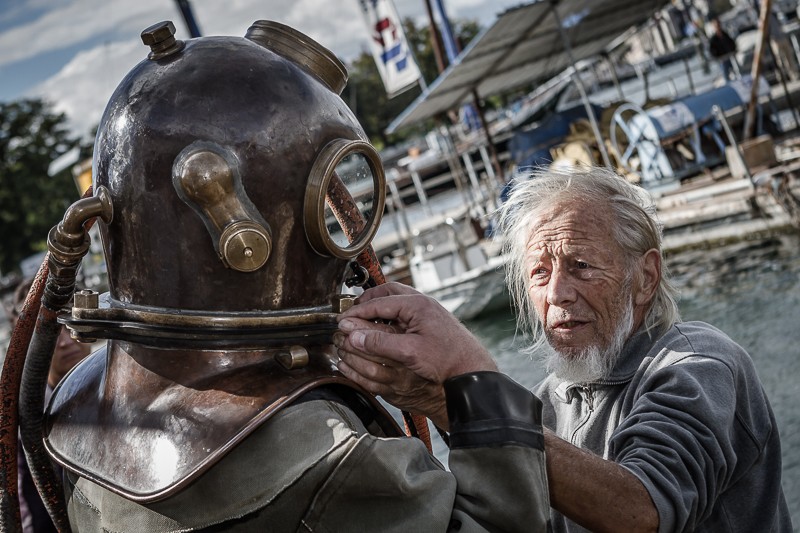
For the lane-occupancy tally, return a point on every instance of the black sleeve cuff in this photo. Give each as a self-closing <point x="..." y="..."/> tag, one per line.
<point x="491" y="409"/>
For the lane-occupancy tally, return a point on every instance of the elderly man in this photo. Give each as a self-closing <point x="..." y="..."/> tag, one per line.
<point x="653" y="424"/>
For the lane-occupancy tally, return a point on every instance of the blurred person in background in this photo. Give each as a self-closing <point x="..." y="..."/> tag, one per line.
<point x="722" y="47"/>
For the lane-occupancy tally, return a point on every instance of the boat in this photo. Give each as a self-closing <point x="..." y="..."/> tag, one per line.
<point x="467" y="278"/>
<point x="440" y="246"/>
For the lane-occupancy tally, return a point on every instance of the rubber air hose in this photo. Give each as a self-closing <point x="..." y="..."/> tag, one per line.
<point x="10" y="381"/>
<point x="32" y="395"/>
<point x="352" y="222"/>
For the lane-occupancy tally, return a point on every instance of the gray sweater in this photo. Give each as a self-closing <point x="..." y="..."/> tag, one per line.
<point x="687" y="415"/>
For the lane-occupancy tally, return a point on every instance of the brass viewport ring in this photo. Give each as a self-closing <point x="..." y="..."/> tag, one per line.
<point x="322" y="172"/>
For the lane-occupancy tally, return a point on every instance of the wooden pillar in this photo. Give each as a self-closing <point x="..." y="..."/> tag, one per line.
<point x="763" y="40"/>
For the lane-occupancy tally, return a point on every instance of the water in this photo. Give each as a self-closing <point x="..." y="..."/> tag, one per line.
<point x="752" y="292"/>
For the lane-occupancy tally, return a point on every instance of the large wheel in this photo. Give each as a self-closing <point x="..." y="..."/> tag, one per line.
<point x="631" y="142"/>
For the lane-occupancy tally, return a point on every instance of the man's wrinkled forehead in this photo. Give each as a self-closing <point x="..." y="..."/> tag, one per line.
<point x="577" y="222"/>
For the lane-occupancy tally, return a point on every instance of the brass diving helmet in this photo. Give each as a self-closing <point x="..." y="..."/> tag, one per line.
<point x="241" y="187"/>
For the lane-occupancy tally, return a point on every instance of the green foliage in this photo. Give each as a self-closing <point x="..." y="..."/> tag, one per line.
<point x="367" y="97"/>
<point x="31" y="202"/>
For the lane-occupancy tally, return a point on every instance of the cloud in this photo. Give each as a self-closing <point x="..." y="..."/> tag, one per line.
<point x="84" y="85"/>
<point x="336" y="25"/>
<point x="77" y="21"/>
<point x="111" y="30"/>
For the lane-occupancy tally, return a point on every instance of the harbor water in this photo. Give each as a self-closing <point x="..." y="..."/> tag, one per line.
<point x="752" y="292"/>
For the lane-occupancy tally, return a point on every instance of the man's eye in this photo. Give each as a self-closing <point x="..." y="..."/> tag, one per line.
<point x="582" y="265"/>
<point x="538" y="272"/>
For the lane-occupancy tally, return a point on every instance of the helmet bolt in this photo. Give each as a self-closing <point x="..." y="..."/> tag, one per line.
<point x="160" y="37"/>
<point x="86" y="299"/>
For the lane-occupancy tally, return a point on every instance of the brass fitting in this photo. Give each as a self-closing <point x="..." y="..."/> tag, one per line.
<point x="86" y="299"/>
<point x="68" y="241"/>
<point x="342" y="302"/>
<point x="296" y="357"/>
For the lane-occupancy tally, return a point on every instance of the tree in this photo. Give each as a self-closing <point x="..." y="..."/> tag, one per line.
<point x="31" y="202"/>
<point x="366" y="95"/>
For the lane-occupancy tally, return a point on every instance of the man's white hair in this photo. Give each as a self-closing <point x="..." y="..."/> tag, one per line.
<point x="635" y="229"/>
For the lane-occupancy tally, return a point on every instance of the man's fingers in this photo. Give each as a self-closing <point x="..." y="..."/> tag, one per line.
<point x="399" y="308"/>
<point x="394" y="348"/>
<point x="375" y="388"/>
<point x="371" y="370"/>
<point x="354" y="323"/>
<point x="387" y="289"/>
<point x="345" y="344"/>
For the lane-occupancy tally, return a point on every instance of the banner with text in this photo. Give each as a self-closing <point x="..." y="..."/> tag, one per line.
<point x="389" y="47"/>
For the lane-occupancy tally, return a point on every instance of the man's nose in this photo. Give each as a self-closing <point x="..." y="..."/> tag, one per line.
<point x="561" y="288"/>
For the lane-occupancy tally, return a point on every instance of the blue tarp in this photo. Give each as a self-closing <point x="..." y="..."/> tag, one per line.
<point x="531" y="147"/>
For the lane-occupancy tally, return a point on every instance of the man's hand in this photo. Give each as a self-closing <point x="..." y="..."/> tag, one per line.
<point x="407" y="360"/>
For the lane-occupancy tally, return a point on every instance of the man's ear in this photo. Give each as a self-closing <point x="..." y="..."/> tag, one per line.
<point x="650" y="277"/>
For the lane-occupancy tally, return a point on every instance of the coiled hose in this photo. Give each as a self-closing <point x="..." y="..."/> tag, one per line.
<point x="57" y="293"/>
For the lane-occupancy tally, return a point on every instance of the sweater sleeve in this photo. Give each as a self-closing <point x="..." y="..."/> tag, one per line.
<point x="680" y="438"/>
<point x="497" y="480"/>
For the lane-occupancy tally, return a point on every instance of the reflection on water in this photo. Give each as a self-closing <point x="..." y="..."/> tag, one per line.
<point x="752" y="292"/>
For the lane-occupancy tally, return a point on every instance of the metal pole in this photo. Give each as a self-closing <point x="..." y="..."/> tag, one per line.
<point x="488" y="178"/>
<point x="783" y="75"/>
<point x="401" y="215"/>
<point x="486" y="163"/>
<point x="735" y="64"/>
<point x="492" y="148"/>
<point x="188" y="17"/>
<point x="586" y="104"/>
<point x="423" y="198"/>
<point x="689" y="75"/>
<point x="435" y="41"/>
<point x="754" y="207"/>
<point x="613" y="69"/>
<point x="731" y="139"/>
<point x="453" y="163"/>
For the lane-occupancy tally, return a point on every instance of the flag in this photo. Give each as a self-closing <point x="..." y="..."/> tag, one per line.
<point x="396" y="65"/>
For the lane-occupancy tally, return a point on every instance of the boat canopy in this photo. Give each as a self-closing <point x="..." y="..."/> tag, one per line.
<point x="524" y="45"/>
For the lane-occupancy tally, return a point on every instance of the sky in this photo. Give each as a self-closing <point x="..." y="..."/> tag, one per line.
<point x="73" y="53"/>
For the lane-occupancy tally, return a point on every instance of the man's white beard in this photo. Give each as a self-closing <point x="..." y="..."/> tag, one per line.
<point x="593" y="363"/>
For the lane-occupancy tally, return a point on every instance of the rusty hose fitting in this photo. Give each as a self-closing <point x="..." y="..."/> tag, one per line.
<point x="68" y="241"/>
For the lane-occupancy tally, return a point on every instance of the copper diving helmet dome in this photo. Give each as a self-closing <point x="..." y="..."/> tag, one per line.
<point x="224" y="158"/>
<point x="235" y="187"/>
